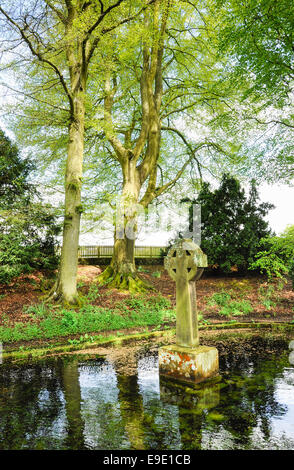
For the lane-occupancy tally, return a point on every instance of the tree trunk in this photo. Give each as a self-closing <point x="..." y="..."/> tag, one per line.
<point x="122" y="273"/>
<point x="123" y="259"/>
<point x="65" y="289"/>
<point x="131" y="409"/>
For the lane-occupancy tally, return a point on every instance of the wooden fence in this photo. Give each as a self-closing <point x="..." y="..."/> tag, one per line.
<point x="107" y="251"/>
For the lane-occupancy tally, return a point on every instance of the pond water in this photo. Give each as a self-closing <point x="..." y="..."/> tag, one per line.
<point x="92" y="403"/>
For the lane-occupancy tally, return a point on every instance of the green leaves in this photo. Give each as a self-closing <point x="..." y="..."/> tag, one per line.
<point x="28" y="227"/>
<point x="257" y="35"/>
<point x="230" y="307"/>
<point x="254" y="40"/>
<point x="270" y="264"/>
<point x="231" y="224"/>
<point x="276" y="259"/>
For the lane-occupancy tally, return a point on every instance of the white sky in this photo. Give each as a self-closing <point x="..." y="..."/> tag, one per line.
<point x="282" y="197"/>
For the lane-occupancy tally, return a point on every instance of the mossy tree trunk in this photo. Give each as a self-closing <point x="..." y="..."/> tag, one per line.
<point x="64" y="37"/>
<point x="67" y="281"/>
<point x="65" y="289"/>
<point x="137" y="156"/>
<point x="140" y="144"/>
<point x="122" y="273"/>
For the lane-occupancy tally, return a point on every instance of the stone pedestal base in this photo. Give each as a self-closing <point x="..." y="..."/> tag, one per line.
<point x="188" y="365"/>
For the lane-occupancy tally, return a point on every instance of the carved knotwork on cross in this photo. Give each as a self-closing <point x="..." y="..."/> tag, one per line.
<point x="185" y="262"/>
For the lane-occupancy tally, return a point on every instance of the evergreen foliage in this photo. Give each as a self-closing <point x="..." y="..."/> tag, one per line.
<point x="28" y="227"/>
<point x="232" y="224"/>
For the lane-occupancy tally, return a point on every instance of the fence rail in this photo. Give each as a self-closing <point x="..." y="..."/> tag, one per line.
<point x="106" y="251"/>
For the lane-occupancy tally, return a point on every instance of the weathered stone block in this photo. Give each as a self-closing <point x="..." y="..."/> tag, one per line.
<point x="187" y="364"/>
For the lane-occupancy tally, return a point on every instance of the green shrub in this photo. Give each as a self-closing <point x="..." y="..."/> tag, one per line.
<point x="276" y="256"/>
<point x="236" y="308"/>
<point x="8" y="272"/>
<point x="219" y="298"/>
<point x="28" y="227"/>
<point x="270" y="264"/>
<point x="228" y="306"/>
<point x="232" y="224"/>
<point x="26" y="240"/>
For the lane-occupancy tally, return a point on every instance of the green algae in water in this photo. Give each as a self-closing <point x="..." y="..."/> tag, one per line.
<point x="73" y="403"/>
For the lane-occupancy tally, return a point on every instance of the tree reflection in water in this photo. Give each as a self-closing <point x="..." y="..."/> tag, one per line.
<point x="69" y="375"/>
<point x="78" y="403"/>
<point x="31" y="407"/>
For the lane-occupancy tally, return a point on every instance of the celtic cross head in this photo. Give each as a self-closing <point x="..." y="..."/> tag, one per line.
<point x="185" y="260"/>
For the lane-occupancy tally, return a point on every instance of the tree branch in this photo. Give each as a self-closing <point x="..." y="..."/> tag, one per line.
<point x="272" y="121"/>
<point x="38" y="54"/>
<point x="112" y="28"/>
<point x="118" y="147"/>
<point x="58" y="12"/>
<point x="152" y="192"/>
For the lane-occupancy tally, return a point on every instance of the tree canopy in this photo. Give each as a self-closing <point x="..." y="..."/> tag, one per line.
<point x="255" y="41"/>
<point x="59" y="40"/>
<point x="258" y="34"/>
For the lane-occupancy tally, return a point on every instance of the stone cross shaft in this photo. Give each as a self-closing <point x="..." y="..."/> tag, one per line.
<point x="184" y="263"/>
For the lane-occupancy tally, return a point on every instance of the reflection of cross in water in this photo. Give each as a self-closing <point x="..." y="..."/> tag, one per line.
<point x="183" y="269"/>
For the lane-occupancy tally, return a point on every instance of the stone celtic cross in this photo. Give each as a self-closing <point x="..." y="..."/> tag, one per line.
<point x="185" y="262"/>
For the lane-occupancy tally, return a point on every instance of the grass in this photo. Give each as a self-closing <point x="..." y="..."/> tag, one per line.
<point x="129" y="313"/>
<point x="229" y="306"/>
<point x="268" y="330"/>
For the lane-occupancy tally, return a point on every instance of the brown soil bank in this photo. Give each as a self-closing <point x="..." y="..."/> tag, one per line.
<point x="275" y="305"/>
<point x="268" y="305"/>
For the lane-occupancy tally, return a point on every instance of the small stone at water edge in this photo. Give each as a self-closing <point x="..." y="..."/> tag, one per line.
<point x="291" y="358"/>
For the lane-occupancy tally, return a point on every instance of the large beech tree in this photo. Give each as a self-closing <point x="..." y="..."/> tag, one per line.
<point x="169" y="73"/>
<point x="62" y="37"/>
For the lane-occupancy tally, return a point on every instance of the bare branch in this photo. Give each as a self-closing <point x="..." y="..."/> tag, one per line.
<point x="31" y="96"/>
<point x="57" y="11"/>
<point x="272" y="121"/>
<point x="38" y="54"/>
